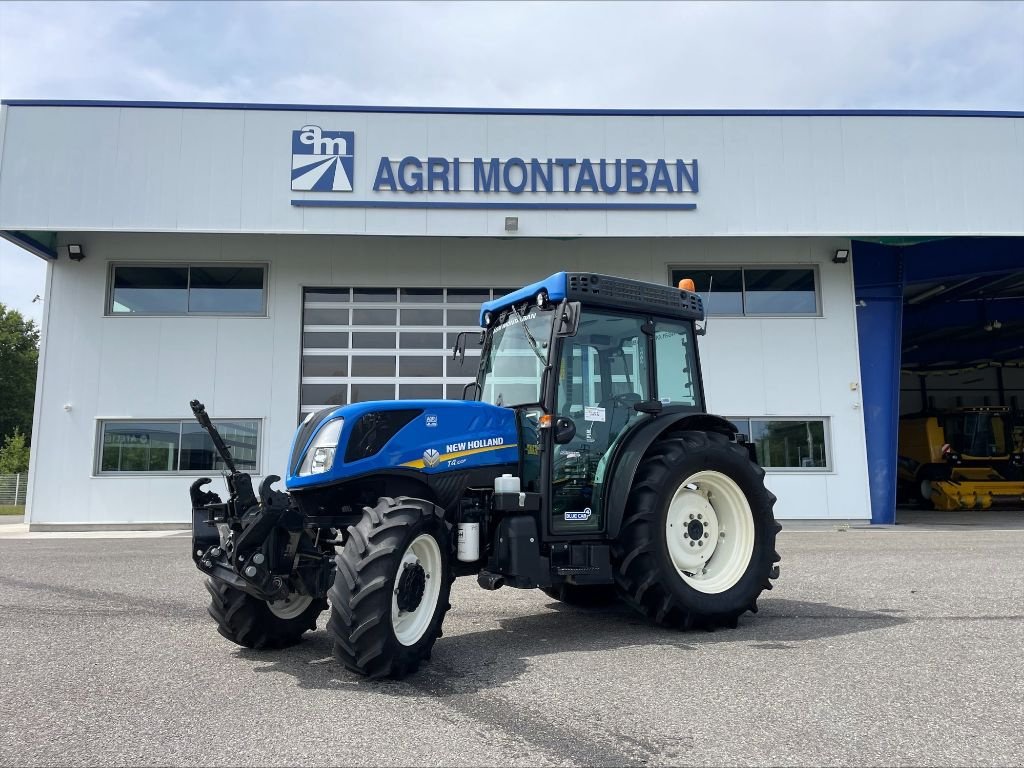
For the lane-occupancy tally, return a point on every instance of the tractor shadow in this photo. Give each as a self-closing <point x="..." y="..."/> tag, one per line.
<point x="465" y="662"/>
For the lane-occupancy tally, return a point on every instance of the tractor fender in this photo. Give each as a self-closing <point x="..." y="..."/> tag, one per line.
<point x="635" y="446"/>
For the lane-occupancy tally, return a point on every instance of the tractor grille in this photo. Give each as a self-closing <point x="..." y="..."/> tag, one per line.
<point x="634" y="294"/>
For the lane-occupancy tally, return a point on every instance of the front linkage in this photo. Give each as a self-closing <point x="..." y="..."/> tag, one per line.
<point x="258" y="546"/>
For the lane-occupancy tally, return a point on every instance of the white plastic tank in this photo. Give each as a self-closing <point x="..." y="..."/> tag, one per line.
<point x="506" y="484"/>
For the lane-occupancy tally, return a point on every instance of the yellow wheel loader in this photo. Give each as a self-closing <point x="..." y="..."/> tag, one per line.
<point x="965" y="458"/>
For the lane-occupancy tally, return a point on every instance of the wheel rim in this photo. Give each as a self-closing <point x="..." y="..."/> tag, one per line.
<point x="290" y="607"/>
<point x="710" y="532"/>
<point x="926" y="490"/>
<point x="416" y="589"/>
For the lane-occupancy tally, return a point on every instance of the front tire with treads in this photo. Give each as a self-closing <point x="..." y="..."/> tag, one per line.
<point x="697" y="543"/>
<point x="254" y="623"/>
<point x="392" y="588"/>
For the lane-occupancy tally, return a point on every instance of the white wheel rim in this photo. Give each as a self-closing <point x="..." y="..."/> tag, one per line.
<point x="410" y="626"/>
<point x="710" y="532"/>
<point x="290" y="607"/>
<point x="926" y="490"/>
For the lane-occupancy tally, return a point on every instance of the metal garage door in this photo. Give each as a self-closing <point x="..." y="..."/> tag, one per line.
<point x="386" y="343"/>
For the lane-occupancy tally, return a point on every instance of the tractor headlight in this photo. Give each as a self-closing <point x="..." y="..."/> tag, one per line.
<point x="320" y="454"/>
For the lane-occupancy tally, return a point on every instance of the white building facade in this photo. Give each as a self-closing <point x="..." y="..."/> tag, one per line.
<point x="272" y="260"/>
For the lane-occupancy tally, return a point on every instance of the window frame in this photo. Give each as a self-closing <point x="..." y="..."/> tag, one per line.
<point x="97" y="464"/>
<point x="108" y="308"/>
<point x="826" y="422"/>
<point x="814" y="268"/>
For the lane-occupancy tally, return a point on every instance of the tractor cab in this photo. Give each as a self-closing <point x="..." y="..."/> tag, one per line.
<point x="584" y="360"/>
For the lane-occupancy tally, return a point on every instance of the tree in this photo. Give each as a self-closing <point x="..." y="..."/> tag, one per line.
<point x="19" y="357"/>
<point x="14" y="454"/>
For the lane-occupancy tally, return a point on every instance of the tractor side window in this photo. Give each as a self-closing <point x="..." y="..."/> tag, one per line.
<point x="676" y="363"/>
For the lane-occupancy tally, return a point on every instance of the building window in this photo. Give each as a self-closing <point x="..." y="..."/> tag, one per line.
<point x="751" y="291"/>
<point x="384" y="343"/>
<point x="187" y="289"/>
<point x="172" y="446"/>
<point x="788" y="443"/>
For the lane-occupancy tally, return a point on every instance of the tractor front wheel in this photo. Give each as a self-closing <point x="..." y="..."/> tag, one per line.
<point x="697" y="544"/>
<point x="391" y="591"/>
<point x="254" y="623"/>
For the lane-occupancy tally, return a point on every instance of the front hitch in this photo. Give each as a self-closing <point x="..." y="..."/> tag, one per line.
<point x="258" y="546"/>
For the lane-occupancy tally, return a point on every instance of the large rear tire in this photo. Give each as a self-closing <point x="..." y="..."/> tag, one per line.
<point x="254" y="623"/>
<point x="697" y="544"/>
<point x="391" y="591"/>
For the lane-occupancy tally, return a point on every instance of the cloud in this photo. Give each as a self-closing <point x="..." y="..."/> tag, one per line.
<point x="904" y="55"/>
<point x="898" y="55"/>
<point x="22" y="278"/>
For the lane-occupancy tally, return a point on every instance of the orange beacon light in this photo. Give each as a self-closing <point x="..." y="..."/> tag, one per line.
<point x="686" y="284"/>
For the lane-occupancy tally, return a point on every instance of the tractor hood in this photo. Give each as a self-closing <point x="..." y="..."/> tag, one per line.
<point x="428" y="436"/>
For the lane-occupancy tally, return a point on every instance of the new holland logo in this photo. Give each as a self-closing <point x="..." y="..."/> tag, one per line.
<point x="431" y="458"/>
<point x="322" y="161"/>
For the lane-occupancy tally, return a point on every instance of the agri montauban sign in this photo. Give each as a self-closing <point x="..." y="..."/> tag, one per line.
<point x="324" y="161"/>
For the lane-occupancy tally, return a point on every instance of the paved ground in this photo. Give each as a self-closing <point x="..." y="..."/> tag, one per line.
<point x="878" y="647"/>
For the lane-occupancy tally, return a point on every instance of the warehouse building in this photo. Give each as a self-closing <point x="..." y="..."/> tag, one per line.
<point x="273" y="259"/>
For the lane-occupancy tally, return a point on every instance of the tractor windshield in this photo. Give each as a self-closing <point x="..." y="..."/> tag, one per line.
<point x="980" y="433"/>
<point x="515" y="357"/>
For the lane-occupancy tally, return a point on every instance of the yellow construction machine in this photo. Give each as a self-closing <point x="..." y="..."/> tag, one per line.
<point x="965" y="458"/>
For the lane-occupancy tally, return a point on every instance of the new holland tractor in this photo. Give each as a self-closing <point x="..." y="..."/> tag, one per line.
<point x="581" y="461"/>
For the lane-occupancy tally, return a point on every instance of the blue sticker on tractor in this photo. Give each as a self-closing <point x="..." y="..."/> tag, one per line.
<point x="584" y="515"/>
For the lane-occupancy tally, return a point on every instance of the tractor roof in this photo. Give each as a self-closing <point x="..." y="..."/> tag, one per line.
<point x="605" y="290"/>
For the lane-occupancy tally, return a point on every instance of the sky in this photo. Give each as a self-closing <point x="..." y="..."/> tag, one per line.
<point x="867" y="55"/>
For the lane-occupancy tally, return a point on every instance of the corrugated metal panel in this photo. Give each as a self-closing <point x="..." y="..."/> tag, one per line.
<point x="228" y="170"/>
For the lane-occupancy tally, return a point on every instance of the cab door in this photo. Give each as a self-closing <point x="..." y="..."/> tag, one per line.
<point x="602" y="372"/>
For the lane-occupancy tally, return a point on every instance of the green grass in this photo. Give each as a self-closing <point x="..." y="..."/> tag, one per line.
<point x="6" y="509"/>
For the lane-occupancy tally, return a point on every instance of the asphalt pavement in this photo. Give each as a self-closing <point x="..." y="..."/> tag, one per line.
<point x="886" y="646"/>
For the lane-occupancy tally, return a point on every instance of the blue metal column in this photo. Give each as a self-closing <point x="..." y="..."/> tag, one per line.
<point x="878" y="283"/>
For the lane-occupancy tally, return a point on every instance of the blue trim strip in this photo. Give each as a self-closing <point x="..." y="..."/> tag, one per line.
<point x="30" y="245"/>
<point x="495" y="206"/>
<point x="516" y="111"/>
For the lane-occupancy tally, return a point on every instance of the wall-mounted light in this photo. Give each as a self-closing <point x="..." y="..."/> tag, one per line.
<point x="841" y="256"/>
<point x="511" y="223"/>
<point x="75" y="252"/>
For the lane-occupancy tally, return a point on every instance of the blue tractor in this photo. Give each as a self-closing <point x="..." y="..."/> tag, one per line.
<point x="581" y="461"/>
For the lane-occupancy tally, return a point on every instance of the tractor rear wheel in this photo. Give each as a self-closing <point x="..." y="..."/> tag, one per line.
<point x="391" y="591"/>
<point x="697" y="544"/>
<point x="254" y="623"/>
<point x="583" y="595"/>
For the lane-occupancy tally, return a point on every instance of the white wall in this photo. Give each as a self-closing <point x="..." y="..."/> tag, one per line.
<point x="138" y="367"/>
<point x="206" y="170"/>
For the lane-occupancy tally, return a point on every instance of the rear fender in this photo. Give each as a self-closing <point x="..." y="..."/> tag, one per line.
<point x="635" y="447"/>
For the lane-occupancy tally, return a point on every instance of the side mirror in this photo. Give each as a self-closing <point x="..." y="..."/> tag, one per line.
<point x="565" y="430"/>
<point x="568" y="318"/>
<point x="459" y="347"/>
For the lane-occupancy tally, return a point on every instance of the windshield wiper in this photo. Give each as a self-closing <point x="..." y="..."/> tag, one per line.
<point x="529" y="336"/>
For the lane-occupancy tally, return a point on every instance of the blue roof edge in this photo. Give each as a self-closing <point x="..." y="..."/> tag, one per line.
<point x="514" y="110"/>
<point x="554" y="285"/>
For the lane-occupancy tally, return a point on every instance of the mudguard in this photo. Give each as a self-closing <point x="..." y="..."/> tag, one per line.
<point x="635" y="446"/>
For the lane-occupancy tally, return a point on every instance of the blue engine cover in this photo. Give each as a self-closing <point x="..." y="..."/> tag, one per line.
<point x="445" y="435"/>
